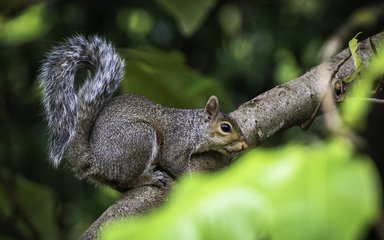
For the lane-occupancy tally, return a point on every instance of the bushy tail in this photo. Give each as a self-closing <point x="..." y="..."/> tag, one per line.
<point x="68" y="112"/>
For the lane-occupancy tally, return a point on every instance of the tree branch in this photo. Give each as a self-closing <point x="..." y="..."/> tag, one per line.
<point x="134" y="202"/>
<point x="295" y="103"/>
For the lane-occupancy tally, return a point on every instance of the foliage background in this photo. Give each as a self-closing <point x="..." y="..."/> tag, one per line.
<point x="178" y="53"/>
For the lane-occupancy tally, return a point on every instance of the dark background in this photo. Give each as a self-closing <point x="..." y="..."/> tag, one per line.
<point x="244" y="47"/>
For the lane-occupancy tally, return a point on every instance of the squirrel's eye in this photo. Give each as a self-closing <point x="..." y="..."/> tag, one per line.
<point x="225" y="127"/>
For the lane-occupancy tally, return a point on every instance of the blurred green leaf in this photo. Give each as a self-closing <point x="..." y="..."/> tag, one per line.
<point x="106" y="195"/>
<point x="135" y="22"/>
<point x="30" y="207"/>
<point x="10" y="7"/>
<point x="230" y="18"/>
<point x="189" y="14"/>
<point x="322" y="191"/>
<point x="364" y="16"/>
<point x="29" y="25"/>
<point x="37" y="202"/>
<point x="325" y="192"/>
<point x="165" y="78"/>
<point x="287" y="67"/>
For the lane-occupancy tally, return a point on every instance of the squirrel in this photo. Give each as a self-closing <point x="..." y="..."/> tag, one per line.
<point x="127" y="141"/>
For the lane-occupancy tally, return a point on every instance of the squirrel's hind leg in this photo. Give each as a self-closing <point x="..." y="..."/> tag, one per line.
<point x="128" y="151"/>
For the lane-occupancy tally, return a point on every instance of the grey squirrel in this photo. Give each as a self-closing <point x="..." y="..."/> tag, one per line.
<point x="127" y="141"/>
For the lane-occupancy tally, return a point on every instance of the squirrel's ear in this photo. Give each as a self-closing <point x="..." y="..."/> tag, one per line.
<point x="212" y="108"/>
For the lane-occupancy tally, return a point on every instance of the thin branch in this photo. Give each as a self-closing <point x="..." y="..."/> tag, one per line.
<point x="372" y="100"/>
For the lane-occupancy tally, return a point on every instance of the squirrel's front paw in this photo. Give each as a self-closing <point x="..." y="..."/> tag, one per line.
<point x="152" y="178"/>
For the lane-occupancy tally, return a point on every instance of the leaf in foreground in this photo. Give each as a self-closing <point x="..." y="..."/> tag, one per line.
<point x="322" y="191"/>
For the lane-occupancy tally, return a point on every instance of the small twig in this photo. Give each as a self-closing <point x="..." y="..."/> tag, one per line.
<point x="372" y="100"/>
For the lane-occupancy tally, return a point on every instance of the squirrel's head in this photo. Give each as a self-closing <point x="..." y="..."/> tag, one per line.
<point x="223" y="133"/>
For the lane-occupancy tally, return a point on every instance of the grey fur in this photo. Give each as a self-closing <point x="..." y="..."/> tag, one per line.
<point x="129" y="141"/>
<point x="64" y="108"/>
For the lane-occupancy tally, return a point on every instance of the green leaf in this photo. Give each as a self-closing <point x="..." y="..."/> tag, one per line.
<point x="318" y="201"/>
<point x="322" y="191"/>
<point x="287" y="67"/>
<point x="165" y="78"/>
<point x="29" y="25"/>
<point x="356" y="59"/>
<point x="37" y="202"/>
<point x="30" y="207"/>
<point x="353" y="48"/>
<point x="135" y="22"/>
<point x="189" y="14"/>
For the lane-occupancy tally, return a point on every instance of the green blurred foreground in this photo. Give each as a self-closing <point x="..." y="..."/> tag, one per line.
<point x="321" y="191"/>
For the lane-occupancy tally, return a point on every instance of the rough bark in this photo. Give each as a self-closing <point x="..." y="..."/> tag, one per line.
<point x="134" y="202"/>
<point x="295" y="103"/>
